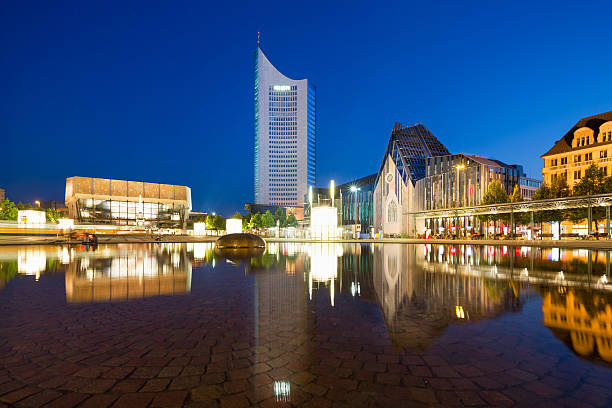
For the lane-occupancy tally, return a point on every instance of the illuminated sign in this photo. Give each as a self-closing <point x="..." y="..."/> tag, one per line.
<point x="282" y="88"/>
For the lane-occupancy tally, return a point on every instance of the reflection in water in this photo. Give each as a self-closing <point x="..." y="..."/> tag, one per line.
<point x="420" y="290"/>
<point x="419" y="299"/>
<point x="580" y="318"/>
<point x="130" y="273"/>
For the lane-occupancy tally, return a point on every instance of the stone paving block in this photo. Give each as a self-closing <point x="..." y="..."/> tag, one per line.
<point x="128" y="385"/>
<point x="207" y="392"/>
<point x="235" y="401"/>
<point x="39" y="399"/>
<point x="155" y="385"/>
<point x="100" y="401"/>
<point x="169" y="399"/>
<point x="19" y="394"/>
<point x="423" y="395"/>
<point x="496" y="398"/>
<point x="184" y="382"/>
<point x="134" y="400"/>
<point x="118" y="373"/>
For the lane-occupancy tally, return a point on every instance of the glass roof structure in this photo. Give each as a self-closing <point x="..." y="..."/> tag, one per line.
<point x="409" y="148"/>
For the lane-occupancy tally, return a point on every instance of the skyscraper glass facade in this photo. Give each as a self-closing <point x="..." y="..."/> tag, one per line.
<point x="285" y="136"/>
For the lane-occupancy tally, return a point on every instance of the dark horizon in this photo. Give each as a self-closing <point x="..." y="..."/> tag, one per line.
<point x="152" y="92"/>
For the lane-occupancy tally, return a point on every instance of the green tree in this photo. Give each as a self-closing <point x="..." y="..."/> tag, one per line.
<point x="593" y="182"/>
<point x="256" y="221"/>
<point x="8" y="210"/>
<point x="246" y="221"/>
<point x="559" y="188"/>
<point x="495" y="194"/>
<point x="279" y="215"/>
<point x="237" y="216"/>
<point x="219" y="222"/>
<point x="291" y="220"/>
<point x="516" y="196"/>
<point x="52" y="215"/>
<point x="210" y="222"/>
<point x="542" y="193"/>
<point x="268" y="220"/>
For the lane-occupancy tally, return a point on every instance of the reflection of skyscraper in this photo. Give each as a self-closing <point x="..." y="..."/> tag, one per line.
<point x="285" y="135"/>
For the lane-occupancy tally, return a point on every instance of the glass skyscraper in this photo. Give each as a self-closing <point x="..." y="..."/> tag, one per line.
<point x="285" y="135"/>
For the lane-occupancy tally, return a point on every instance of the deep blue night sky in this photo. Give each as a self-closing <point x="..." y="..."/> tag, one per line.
<point x="158" y="92"/>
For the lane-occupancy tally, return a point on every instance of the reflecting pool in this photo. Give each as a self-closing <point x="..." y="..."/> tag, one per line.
<point x="305" y="324"/>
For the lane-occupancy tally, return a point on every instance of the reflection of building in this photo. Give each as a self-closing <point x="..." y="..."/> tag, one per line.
<point x="127" y="202"/>
<point x="588" y="142"/>
<point x="285" y="135"/>
<point x="323" y="267"/>
<point x="418" y="304"/>
<point x="133" y="273"/>
<point x="403" y="165"/>
<point x="587" y="318"/>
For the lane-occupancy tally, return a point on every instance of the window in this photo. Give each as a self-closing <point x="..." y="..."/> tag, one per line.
<point x="392" y="212"/>
<point x="605" y="171"/>
<point x="588" y="156"/>
<point x="603" y="154"/>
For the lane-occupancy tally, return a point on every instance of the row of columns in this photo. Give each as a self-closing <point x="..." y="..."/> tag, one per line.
<point x="460" y="223"/>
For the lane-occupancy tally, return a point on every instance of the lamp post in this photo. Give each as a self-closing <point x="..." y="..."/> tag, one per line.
<point x="354" y="190"/>
<point x="37" y="203"/>
<point x="458" y="167"/>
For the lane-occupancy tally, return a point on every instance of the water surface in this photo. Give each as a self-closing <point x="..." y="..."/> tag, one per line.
<point x="305" y="324"/>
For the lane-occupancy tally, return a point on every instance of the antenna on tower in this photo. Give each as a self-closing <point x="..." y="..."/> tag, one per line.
<point x="258" y="33"/>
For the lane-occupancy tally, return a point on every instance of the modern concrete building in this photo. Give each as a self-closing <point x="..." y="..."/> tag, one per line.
<point x="588" y="142"/>
<point x="285" y="135"/>
<point x="121" y="202"/>
<point x="2" y="194"/>
<point x="403" y="166"/>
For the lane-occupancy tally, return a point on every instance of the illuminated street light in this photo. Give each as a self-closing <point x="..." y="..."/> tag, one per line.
<point x="37" y="203"/>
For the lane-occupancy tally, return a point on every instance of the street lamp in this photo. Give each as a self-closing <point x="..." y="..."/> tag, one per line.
<point x="458" y="167"/>
<point x="37" y="203"/>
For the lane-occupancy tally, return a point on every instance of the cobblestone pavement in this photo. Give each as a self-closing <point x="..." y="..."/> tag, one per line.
<point x="257" y="339"/>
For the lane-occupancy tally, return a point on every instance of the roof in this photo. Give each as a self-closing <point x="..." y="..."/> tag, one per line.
<point x="565" y="143"/>
<point x="359" y="182"/>
<point x="409" y="147"/>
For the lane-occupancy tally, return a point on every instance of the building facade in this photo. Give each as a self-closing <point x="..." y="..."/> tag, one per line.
<point x="588" y="142"/>
<point x="357" y="198"/>
<point x="528" y="187"/>
<point x="461" y="180"/>
<point x="2" y="194"/>
<point x="285" y="135"/>
<point x="399" y="182"/>
<point x="121" y="202"/>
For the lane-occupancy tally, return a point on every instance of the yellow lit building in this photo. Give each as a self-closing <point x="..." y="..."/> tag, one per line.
<point x="588" y="142"/>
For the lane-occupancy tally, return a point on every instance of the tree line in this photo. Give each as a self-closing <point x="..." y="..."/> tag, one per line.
<point x="9" y="211"/>
<point x="593" y="182"/>
<point x="268" y="220"/>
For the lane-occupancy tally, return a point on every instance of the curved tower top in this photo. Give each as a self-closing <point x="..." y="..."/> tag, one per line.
<point x="285" y="135"/>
